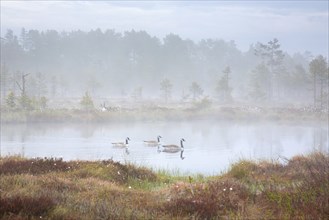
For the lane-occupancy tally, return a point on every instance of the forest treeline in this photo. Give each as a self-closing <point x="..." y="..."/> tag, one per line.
<point x="134" y="64"/>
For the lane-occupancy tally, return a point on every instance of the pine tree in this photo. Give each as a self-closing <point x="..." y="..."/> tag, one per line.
<point x="259" y="83"/>
<point x="87" y="102"/>
<point x="25" y="102"/>
<point x="273" y="56"/>
<point x="10" y="100"/>
<point x="196" y="90"/>
<point x="43" y="102"/>
<point x="223" y="89"/>
<point x="319" y="71"/>
<point x="166" y="88"/>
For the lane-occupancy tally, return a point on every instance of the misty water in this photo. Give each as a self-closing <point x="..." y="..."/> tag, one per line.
<point x="210" y="147"/>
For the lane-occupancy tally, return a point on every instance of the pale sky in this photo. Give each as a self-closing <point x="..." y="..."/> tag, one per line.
<point x="299" y="25"/>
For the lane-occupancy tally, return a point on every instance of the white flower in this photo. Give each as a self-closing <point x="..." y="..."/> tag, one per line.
<point x="224" y="189"/>
<point x="129" y="187"/>
<point x="231" y="188"/>
<point x="119" y="173"/>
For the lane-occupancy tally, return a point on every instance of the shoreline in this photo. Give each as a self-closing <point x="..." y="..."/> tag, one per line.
<point x="161" y="114"/>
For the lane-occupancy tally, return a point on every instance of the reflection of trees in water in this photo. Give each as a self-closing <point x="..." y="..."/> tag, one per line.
<point x="88" y="130"/>
<point x="320" y="138"/>
<point x="267" y="142"/>
<point x="23" y="137"/>
<point x="226" y="136"/>
<point x="27" y="131"/>
<point x="203" y="128"/>
<point x="14" y="132"/>
<point x="19" y="133"/>
<point x="215" y="134"/>
<point x="299" y="134"/>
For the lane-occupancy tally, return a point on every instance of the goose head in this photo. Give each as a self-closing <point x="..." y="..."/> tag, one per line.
<point x="159" y="138"/>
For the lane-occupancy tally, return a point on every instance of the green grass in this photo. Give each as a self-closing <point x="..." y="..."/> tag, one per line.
<point x="56" y="189"/>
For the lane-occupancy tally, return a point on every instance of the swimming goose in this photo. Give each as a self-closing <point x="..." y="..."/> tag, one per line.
<point x="153" y="142"/>
<point x="172" y="148"/>
<point x="121" y="144"/>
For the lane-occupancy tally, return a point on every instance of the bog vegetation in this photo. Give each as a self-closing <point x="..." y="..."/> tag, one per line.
<point x="57" y="189"/>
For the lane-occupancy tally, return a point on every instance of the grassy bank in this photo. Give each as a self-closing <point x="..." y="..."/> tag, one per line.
<point x="56" y="189"/>
<point x="162" y="114"/>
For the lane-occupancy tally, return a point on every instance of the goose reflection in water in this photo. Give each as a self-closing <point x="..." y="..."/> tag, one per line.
<point x="172" y="148"/>
<point x="153" y="143"/>
<point x="121" y="144"/>
<point x="181" y="155"/>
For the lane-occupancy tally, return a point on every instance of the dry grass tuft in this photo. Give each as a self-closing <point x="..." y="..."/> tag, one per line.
<point x="27" y="206"/>
<point x="305" y="197"/>
<point x="208" y="200"/>
<point x="33" y="166"/>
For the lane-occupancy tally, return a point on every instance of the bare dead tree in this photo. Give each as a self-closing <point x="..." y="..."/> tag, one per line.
<point x="23" y="87"/>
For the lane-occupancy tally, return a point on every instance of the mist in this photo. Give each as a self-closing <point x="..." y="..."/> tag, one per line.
<point x="164" y="110"/>
<point x="132" y="64"/>
<point x="118" y="66"/>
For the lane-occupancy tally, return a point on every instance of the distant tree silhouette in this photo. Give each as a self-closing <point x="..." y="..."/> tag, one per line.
<point x="273" y="58"/>
<point x="224" y="91"/>
<point x="196" y="90"/>
<point x="319" y="71"/>
<point x="166" y="87"/>
<point x="86" y="102"/>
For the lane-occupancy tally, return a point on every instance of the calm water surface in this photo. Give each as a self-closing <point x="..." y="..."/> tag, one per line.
<point x="210" y="146"/>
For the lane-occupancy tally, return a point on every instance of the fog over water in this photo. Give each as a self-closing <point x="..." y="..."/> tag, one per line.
<point x="209" y="148"/>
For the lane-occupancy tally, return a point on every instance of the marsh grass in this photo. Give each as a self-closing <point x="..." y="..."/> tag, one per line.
<point x="299" y="189"/>
<point x="178" y="111"/>
<point x="208" y="200"/>
<point x="28" y="206"/>
<point x="34" y="188"/>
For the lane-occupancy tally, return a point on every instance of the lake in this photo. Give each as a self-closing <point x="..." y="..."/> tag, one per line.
<point x="211" y="146"/>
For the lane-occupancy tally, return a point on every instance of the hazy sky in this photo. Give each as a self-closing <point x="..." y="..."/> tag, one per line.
<point x="299" y="25"/>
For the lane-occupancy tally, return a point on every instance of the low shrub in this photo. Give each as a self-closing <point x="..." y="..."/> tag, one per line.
<point x="33" y="166"/>
<point x="208" y="200"/>
<point x="24" y="205"/>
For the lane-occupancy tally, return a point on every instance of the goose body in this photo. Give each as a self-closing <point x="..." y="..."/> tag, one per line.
<point x="173" y="148"/>
<point x="121" y="144"/>
<point x="153" y="142"/>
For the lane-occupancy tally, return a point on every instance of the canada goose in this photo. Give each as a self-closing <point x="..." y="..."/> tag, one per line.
<point x="121" y="144"/>
<point x="153" y="142"/>
<point x="172" y="148"/>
